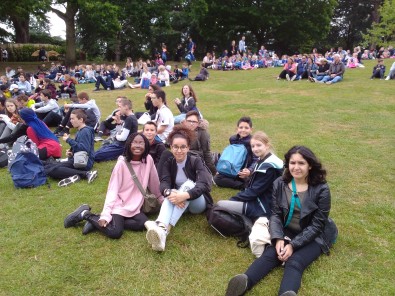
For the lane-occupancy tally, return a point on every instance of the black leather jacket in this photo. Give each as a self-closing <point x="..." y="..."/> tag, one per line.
<point x="195" y="170"/>
<point x="314" y="219"/>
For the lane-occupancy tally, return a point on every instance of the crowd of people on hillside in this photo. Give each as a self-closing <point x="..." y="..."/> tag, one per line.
<point x="170" y="155"/>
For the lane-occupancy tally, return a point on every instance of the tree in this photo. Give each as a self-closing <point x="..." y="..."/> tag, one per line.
<point x="68" y="17"/>
<point x="383" y="31"/>
<point x="351" y="20"/>
<point x="17" y="14"/>
<point x="283" y="25"/>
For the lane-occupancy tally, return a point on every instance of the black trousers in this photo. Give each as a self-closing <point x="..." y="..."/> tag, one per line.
<point x="293" y="269"/>
<point x="284" y="73"/>
<point x="62" y="170"/>
<point x="115" y="228"/>
<point x="50" y="118"/>
<point x="229" y="182"/>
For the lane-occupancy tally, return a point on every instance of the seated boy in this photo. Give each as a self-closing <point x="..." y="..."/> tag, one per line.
<point x="243" y="136"/>
<point x="48" y="109"/>
<point x="156" y="146"/>
<point x="125" y="127"/>
<point x="378" y="70"/>
<point x="83" y="142"/>
<point x="91" y="110"/>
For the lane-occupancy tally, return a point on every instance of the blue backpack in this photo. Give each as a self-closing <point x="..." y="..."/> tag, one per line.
<point x="25" y="167"/>
<point x="232" y="160"/>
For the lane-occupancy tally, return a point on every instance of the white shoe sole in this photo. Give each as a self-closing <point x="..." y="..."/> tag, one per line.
<point x="68" y="181"/>
<point x="153" y="238"/>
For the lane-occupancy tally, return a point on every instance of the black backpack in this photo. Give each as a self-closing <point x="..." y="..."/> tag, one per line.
<point x="229" y="223"/>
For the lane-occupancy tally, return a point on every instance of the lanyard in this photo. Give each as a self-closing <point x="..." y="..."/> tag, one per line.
<point x="294" y="198"/>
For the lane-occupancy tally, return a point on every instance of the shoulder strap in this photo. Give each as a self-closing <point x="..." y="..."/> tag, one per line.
<point x="294" y="198"/>
<point x="134" y="177"/>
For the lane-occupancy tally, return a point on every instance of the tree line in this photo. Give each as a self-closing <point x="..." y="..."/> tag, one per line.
<point x="114" y="29"/>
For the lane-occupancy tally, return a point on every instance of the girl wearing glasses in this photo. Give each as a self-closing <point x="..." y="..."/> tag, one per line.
<point x="185" y="184"/>
<point x="186" y="104"/>
<point x="300" y="227"/>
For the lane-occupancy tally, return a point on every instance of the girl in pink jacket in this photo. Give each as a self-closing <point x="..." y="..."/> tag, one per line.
<point x="122" y="207"/>
<point x="289" y="70"/>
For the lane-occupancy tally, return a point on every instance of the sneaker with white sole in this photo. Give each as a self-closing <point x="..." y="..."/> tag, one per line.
<point x="237" y="285"/>
<point x="75" y="217"/>
<point x="157" y="238"/>
<point x="293" y="78"/>
<point x="98" y="139"/>
<point x="68" y="181"/>
<point x="91" y="176"/>
<point x="288" y="78"/>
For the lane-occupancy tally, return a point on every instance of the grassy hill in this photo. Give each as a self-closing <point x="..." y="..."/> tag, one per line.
<point x="349" y="125"/>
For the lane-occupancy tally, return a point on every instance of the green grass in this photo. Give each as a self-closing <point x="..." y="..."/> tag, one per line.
<point x="349" y="125"/>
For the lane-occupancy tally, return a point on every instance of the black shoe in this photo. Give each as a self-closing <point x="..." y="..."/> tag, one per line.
<point x="96" y="89"/>
<point x="237" y="285"/>
<point x="289" y="293"/>
<point x="75" y="217"/>
<point x="88" y="228"/>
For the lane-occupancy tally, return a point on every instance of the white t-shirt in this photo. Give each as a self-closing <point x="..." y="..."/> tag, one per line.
<point x="164" y="116"/>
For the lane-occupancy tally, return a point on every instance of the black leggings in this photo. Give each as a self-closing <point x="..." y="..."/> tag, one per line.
<point x="62" y="170"/>
<point x="293" y="269"/>
<point x="284" y="73"/>
<point x="115" y="228"/>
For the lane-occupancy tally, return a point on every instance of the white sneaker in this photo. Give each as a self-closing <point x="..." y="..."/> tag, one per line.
<point x="287" y="76"/>
<point x="150" y="225"/>
<point x="157" y="238"/>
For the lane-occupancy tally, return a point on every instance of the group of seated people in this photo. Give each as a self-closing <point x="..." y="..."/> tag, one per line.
<point x="181" y="181"/>
<point x="171" y="156"/>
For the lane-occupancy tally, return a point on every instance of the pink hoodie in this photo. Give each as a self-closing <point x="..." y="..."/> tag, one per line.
<point x="123" y="196"/>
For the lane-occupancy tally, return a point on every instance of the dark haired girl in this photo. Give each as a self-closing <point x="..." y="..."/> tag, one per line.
<point x="186" y="184"/>
<point x="123" y="200"/>
<point x="300" y="227"/>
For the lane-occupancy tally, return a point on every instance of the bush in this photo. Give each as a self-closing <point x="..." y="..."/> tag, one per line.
<point x="23" y="52"/>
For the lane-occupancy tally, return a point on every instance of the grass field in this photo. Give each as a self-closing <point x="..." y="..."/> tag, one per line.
<point x="349" y="125"/>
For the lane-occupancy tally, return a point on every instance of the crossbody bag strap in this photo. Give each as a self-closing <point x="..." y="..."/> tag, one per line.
<point x="294" y="198"/>
<point x="134" y="177"/>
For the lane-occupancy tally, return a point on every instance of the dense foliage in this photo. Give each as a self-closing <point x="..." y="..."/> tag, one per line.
<point x="115" y="29"/>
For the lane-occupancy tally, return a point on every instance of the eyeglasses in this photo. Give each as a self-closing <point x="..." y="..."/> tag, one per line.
<point x="176" y="148"/>
<point x="192" y="122"/>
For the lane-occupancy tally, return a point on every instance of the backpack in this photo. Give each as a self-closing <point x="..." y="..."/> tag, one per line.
<point x="3" y="158"/>
<point x="232" y="160"/>
<point x="230" y="223"/>
<point x="25" y="167"/>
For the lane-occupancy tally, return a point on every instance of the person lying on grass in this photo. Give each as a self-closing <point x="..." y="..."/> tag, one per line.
<point x="122" y="207"/>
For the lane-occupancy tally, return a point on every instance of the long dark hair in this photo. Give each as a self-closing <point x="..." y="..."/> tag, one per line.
<point x="127" y="153"/>
<point x="317" y="173"/>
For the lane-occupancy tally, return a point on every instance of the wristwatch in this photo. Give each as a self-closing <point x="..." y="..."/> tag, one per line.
<point x="167" y="192"/>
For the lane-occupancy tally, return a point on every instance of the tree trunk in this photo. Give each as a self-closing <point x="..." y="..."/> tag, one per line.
<point x="117" y="48"/>
<point x="69" y="18"/>
<point x="21" y="26"/>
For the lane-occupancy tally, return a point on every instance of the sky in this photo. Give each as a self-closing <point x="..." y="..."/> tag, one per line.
<point x="57" y="26"/>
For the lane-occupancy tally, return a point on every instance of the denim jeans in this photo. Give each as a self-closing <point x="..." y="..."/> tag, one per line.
<point x="179" y="118"/>
<point x="333" y="80"/>
<point x="170" y="214"/>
